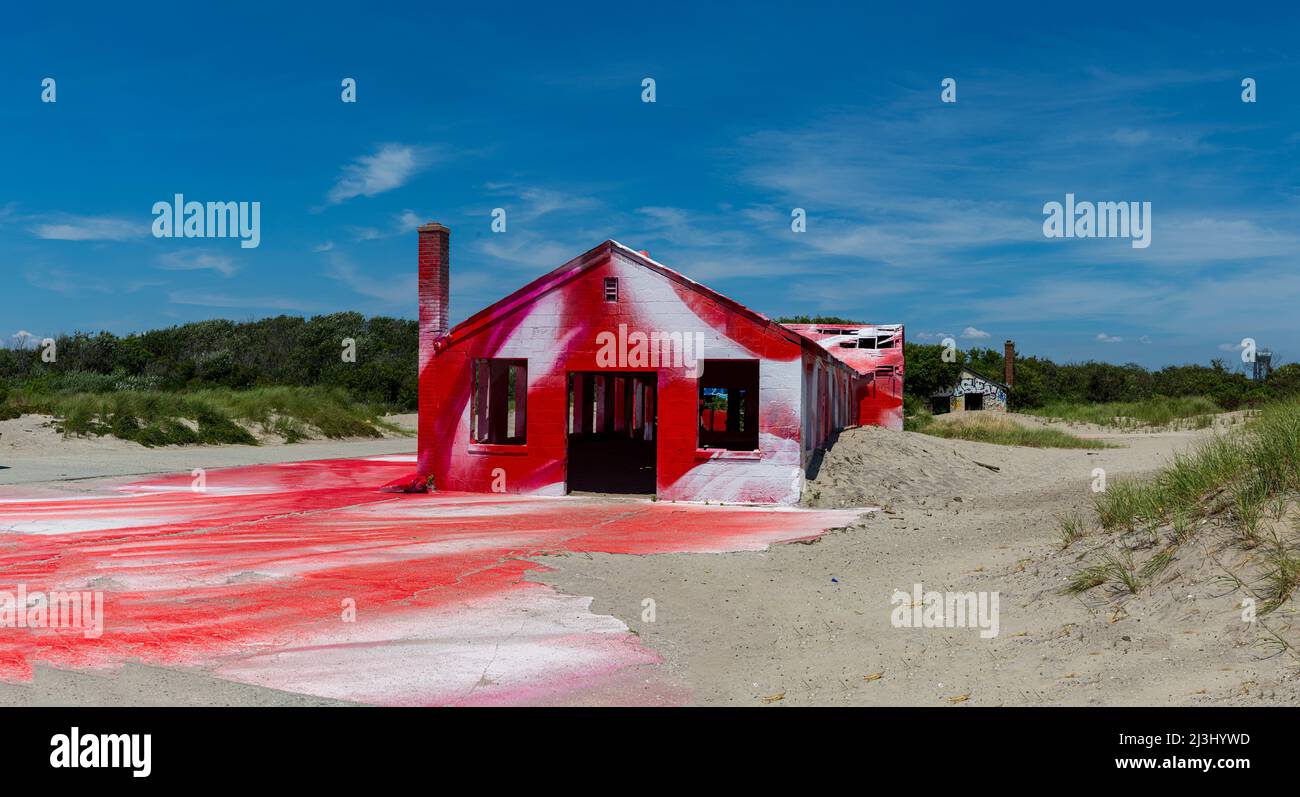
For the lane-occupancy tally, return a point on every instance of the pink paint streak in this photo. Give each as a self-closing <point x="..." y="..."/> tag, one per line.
<point x="249" y="579"/>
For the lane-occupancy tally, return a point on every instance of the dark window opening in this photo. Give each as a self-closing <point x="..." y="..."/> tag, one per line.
<point x="499" y="406"/>
<point x="729" y="405"/>
<point x="867" y="343"/>
<point x="974" y="401"/>
<point x="885" y="343"/>
<point x="611" y="289"/>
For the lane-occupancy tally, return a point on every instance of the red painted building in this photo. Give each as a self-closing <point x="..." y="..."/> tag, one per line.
<point x="614" y="373"/>
<point x="876" y="352"/>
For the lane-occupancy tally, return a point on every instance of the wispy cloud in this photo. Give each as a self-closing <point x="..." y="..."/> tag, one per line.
<point x="389" y="167"/>
<point x="65" y="227"/>
<point x="1102" y="337"/>
<point x="972" y="333"/>
<point x="226" y="300"/>
<point x="394" y="290"/>
<point x="197" y="261"/>
<point x="528" y="203"/>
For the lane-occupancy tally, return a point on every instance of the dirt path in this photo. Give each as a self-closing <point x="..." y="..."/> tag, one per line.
<point x="811" y="623"/>
<point x="33" y="452"/>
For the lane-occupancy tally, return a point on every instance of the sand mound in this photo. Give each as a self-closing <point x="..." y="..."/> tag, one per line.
<point x="872" y="466"/>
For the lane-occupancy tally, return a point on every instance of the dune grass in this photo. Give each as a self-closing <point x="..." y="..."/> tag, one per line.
<point x="218" y="415"/>
<point x="1247" y="480"/>
<point x="1239" y="470"/>
<point x="1195" y="412"/>
<point x="988" y="427"/>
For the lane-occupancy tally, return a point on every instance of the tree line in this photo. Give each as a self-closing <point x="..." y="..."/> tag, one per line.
<point x="291" y="350"/>
<point x="284" y="350"/>
<point x="1039" y="381"/>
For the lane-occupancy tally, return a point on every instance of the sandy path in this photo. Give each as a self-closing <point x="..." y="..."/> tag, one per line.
<point x="32" y="452"/>
<point x="806" y="624"/>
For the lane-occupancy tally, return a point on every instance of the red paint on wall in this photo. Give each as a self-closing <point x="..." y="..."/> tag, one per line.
<point x="555" y="324"/>
<point x="879" y="395"/>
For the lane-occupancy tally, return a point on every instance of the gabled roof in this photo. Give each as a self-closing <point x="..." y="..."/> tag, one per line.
<point x="973" y="372"/>
<point x="583" y="263"/>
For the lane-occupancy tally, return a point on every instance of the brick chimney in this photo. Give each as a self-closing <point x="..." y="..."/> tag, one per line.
<point x="1009" y="362"/>
<point x="433" y="260"/>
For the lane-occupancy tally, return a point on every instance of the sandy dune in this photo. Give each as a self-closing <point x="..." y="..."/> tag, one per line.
<point x="811" y="624"/>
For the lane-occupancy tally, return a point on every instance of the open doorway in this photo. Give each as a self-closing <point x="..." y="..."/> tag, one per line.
<point x="612" y="428"/>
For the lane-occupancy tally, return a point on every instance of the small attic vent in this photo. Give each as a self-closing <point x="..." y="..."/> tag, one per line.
<point x="611" y="289"/>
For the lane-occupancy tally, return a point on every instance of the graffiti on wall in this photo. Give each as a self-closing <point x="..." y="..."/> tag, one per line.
<point x="993" y="396"/>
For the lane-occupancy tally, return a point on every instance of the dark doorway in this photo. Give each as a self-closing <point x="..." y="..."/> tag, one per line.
<point x="612" y="429"/>
<point x="974" y="401"/>
<point x="939" y="405"/>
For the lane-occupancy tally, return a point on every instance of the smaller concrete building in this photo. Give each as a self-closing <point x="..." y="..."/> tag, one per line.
<point x="974" y="391"/>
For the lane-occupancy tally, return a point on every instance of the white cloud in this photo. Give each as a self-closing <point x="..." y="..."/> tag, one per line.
<point x="530" y="251"/>
<point x="325" y="247"/>
<point x="1102" y="337"/>
<point x="977" y="334"/>
<point x="394" y="290"/>
<point x="226" y="300"/>
<point x="407" y="221"/>
<point x="402" y="224"/>
<point x="63" y="227"/>
<point x="197" y="261"/>
<point x="532" y="203"/>
<point x="388" y="168"/>
<point x="1231" y="347"/>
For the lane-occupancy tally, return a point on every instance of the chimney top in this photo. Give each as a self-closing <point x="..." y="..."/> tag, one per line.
<point x="432" y="226"/>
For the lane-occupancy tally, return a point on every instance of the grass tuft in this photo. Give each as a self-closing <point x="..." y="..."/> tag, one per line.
<point x="212" y="416"/>
<point x="1194" y="412"/>
<point x="987" y="427"/>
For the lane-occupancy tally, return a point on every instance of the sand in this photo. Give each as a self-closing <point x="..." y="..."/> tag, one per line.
<point x="33" y="451"/>
<point x="811" y="624"/>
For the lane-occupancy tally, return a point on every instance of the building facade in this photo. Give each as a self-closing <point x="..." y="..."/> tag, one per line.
<point x="972" y="392"/>
<point x="875" y="351"/>
<point x="614" y="373"/>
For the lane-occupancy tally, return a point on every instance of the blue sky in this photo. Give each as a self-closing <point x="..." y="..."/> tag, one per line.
<point x="919" y="212"/>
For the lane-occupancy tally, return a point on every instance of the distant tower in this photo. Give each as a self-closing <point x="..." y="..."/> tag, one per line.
<point x="1263" y="365"/>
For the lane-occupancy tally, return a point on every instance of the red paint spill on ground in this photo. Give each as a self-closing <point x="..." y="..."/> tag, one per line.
<point x="265" y="558"/>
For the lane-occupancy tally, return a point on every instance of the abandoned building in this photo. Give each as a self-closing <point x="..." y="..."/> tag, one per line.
<point x="876" y="353"/>
<point x="974" y="391"/>
<point x="615" y="373"/>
